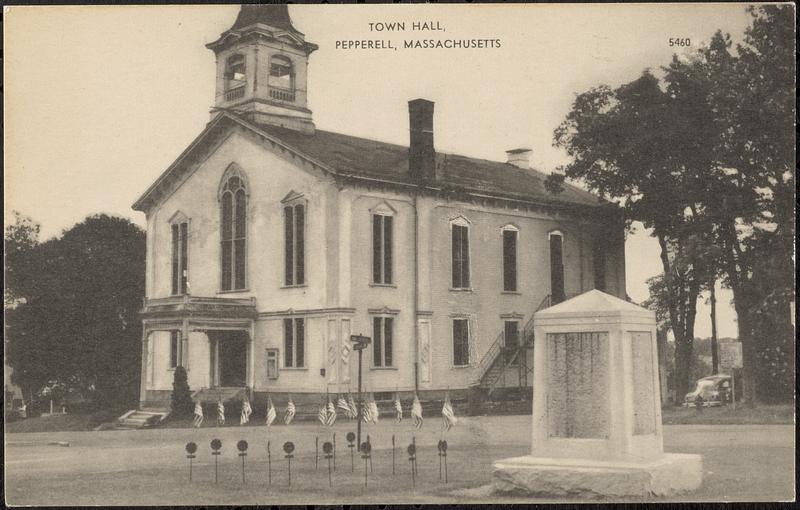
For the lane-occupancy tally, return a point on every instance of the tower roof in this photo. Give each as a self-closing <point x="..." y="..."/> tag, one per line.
<point x="274" y="15"/>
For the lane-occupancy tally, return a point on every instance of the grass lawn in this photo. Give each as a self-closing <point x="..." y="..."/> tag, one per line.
<point x="62" y="422"/>
<point x="725" y="415"/>
<point x="149" y="467"/>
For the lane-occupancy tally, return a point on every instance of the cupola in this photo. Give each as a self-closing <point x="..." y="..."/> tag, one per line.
<point x="262" y="64"/>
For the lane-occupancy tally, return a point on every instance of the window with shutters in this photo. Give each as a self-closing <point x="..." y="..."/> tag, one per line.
<point x="294" y="221"/>
<point x="179" y="229"/>
<point x="294" y="338"/>
<point x="233" y="219"/>
<point x="382" y="235"/>
<point x="460" y="342"/>
<point x="382" y="341"/>
<point x="460" y="254"/>
<point x="510" y="236"/>
<point x="556" y="267"/>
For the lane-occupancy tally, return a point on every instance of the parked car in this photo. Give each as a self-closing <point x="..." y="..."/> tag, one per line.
<point x="714" y="390"/>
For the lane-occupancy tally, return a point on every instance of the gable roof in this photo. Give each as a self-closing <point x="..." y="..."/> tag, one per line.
<point x="370" y="160"/>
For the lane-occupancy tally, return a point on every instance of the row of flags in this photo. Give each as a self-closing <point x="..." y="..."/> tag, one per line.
<point x="327" y="413"/>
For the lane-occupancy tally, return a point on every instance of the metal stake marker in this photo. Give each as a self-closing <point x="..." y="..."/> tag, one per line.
<point x="392" y="453"/>
<point x="328" y="448"/>
<point x="316" y="452"/>
<point x="412" y="458"/>
<point x="366" y="448"/>
<point x="190" y="449"/>
<point x="350" y="438"/>
<point x="242" y="446"/>
<point x="216" y="445"/>
<point x="370" y="457"/>
<point x="334" y="451"/>
<point x="288" y="447"/>
<point x="269" y="465"/>
<point x="443" y="455"/>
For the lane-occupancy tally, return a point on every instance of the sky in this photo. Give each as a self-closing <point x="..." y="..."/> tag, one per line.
<point x="100" y="100"/>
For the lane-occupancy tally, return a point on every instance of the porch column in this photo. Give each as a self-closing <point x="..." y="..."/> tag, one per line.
<point x="143" y="372"/>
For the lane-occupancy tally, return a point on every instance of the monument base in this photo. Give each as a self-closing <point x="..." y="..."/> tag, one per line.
<point x="583" y="478"/>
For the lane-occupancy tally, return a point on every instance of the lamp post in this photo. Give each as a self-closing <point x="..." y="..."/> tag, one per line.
<point x="360" y="342"/>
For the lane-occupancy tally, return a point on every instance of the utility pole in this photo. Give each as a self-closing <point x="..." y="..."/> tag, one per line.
<point x="714" y="346"/>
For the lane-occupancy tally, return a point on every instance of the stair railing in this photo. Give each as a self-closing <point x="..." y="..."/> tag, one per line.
<point x="488" y="359"/>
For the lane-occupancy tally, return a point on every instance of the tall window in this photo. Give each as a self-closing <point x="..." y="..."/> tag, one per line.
<point x="174" y="348"/>
<point x="234" y="233"/>
<point x="460" y="237"/>
<point x="556" y="267"/>
<point x="235" y="72"/>
<point x="294" y="338"/>
<point x="382" y="336"/>
<point x="599" y="262"/>
<point x="460" y="342"/>
<point x="180" y="259"/>
<point x="294" y="244"/>
<point x="382" y="248"/>
<point x="510" y="260"/>
<point x="511" y="333"/>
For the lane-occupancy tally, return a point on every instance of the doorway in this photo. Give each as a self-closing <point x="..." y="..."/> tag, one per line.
<point x="228" y="358"/>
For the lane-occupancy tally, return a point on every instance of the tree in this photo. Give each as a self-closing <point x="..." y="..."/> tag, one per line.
<point x="76" y="319"/>
<point x="182" y="404"/>
<point x="622" y="143"/>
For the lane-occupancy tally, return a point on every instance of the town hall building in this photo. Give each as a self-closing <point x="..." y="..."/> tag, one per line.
<point x="270" y="242"/>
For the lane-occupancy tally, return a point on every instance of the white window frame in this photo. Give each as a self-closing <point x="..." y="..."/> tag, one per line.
<point x="461" y="221"/>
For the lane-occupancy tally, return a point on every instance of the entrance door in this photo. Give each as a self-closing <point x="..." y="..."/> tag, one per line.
<point x="230" y="360"/>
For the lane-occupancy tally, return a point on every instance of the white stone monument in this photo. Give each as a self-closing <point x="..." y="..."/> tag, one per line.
<point x="596" y="407"/>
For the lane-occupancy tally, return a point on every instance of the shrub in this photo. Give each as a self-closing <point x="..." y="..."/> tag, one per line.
<point x="182" y="404"/>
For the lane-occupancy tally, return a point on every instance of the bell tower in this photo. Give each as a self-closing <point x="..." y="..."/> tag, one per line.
<point x="262" y="64"/>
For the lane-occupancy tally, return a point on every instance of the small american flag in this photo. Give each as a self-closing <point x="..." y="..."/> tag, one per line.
<point x="366" y="412"/>
<point x="246" y="412"/>
<point x="271" y="414"/>
<point x="351" y="403"/>
<point x="416" y="412"/>
<point x="198" y="415"/>
<point x="398" y="408"/>
<point x="374" y="414"/>
<point x="448" y="416"/>
<point x="341" y="403"/>
<point x="290" y="412"/>
<point x="220" y="413"/>
<point x="330" y="419"/>
<point x="322" y="415"/>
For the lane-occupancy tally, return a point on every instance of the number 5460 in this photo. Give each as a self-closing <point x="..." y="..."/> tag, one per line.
<point x="680" y="41"/>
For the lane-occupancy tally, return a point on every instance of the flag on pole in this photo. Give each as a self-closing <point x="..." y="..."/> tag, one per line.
<point x="366" y="412"/>
<point x="322" y="415"/>
<point x="290" y="412"/>
<point x="341" y="403"/>
<point x="271" y="414"/>
<point x="198" y="415"/>
<point x="374" y="414"/>
<point x="246" y="412"/>
<point x="398" y="408"/>
<point x="448" y="416"/>
<point x="351" y="403"/>
<point x="416" y="412"/>
<point x="330" y="417"/>
<point x="220" y="413"/>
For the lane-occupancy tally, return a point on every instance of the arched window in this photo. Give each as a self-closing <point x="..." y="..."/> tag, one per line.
<point x="281" y="78"/>
<point x="235" y="71"/>
<point x="233" y="203"/>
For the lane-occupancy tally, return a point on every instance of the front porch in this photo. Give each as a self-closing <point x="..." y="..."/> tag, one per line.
<point x="211" y="337"/>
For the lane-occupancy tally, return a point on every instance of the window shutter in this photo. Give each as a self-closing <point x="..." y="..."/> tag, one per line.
<point x="175" y="258"/>
<point x="300" y="222"/>
<point x="387" y="248"/>
<point x="288" y="232"/>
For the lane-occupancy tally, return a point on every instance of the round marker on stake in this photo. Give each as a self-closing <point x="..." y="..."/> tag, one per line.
<point x="269" y="465"/>
<point x="327" y="448"/>
<point x="351" y="437"/>
<point x="216" y="445"/>
<point x="191" y="448"/>
<point x="412" y="458"/>
<point x="242" y="447"/>
<point x="288" y="447"/>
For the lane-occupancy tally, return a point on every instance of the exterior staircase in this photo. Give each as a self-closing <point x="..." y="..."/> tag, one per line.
<point x="499" y="358"/>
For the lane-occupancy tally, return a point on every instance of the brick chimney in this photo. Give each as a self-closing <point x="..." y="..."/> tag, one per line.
<point x="421" y="154"/>
<point x="520" y="158"/>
